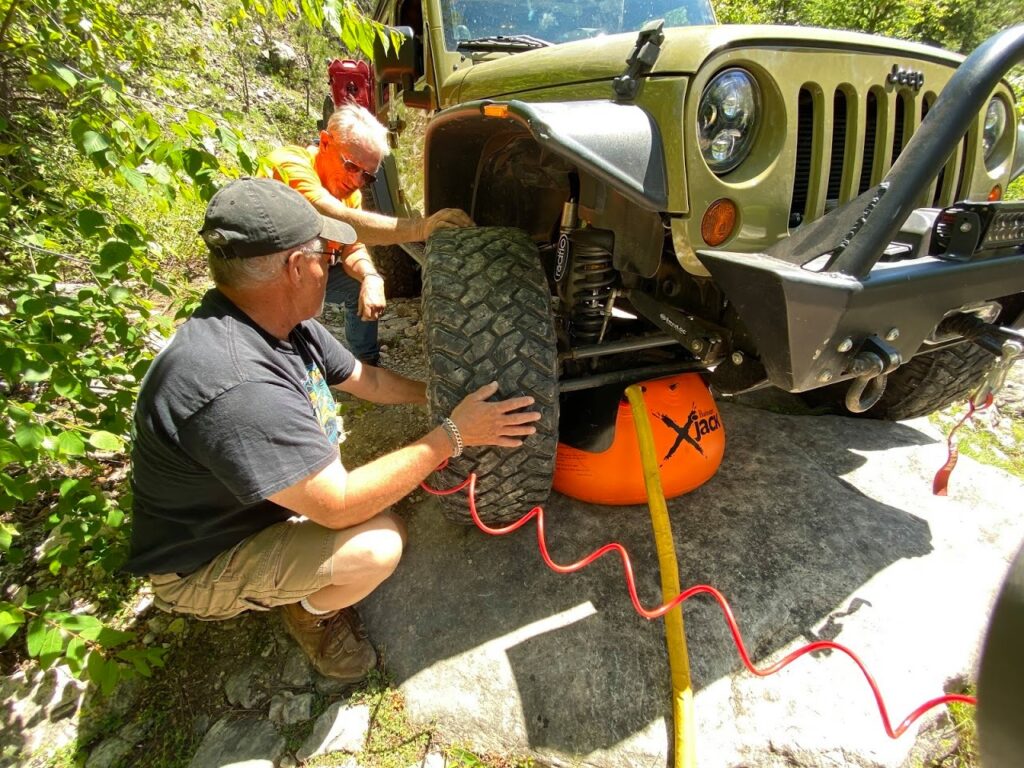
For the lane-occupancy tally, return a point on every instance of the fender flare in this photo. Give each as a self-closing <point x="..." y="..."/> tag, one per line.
<point x="619" y="144"/>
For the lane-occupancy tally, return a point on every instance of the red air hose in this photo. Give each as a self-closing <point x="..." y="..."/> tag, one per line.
<point x="661" y="610"/>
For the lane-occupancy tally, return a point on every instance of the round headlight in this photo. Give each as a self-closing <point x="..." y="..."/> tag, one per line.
<point x="995" y="125"/>
<point x="727" y="119"/>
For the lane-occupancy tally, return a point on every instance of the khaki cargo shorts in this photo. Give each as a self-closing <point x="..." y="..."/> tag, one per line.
<point x="281" y="564"/>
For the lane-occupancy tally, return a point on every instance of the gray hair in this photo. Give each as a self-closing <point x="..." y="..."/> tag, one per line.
<point x="246" y="273"/>
<point x="353" y="124"/>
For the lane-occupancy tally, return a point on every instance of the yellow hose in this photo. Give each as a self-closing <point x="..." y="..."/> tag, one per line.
<point x="684" y="743"/>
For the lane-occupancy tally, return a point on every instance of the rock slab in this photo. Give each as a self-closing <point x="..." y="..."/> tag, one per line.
<point x="814" y="528"/>
<point x="341" y="728"/>
<point x="249" y="741"/>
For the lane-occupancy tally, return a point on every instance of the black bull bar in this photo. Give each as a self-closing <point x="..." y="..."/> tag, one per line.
<point x="822" y="307"/>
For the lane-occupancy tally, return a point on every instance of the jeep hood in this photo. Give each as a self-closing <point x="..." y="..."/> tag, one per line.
<point x="684" y="51"/>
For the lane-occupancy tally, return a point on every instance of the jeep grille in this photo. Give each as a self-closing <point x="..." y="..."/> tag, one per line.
<point x="868" y="132"/>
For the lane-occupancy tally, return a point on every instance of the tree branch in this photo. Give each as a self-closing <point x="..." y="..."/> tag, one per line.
<point x="8" y="17"/>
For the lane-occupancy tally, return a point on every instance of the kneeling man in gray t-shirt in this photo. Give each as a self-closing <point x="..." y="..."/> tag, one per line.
<point x="241" y="501"/>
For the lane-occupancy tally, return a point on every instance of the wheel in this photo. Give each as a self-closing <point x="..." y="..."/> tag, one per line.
<point x="400" y="271"/>
<point x="487" y="314"/>
<point x="925" y="384"/>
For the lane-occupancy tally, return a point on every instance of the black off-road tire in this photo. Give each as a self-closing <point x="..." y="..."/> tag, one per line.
<point x="400" y="271"/>
<point x="487" y="314"/>
<point x="925" y="384"/>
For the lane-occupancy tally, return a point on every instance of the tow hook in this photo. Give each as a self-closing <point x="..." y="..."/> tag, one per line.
<point x="871" y="367"/>
<point x="1012" y="351"/>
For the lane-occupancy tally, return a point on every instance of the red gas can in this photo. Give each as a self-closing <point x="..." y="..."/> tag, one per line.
<point x="351" y="81"/>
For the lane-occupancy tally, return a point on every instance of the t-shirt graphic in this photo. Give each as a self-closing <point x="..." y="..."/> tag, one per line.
<point x="322" y="400"/>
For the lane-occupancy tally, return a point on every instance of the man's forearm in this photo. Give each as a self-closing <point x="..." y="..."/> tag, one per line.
<point x="380" y="385"/>
<point x="373" y="487"/>
<point x="338" y="499"/>
<point x="372" y="228"/>
<point x="358" y="263"/>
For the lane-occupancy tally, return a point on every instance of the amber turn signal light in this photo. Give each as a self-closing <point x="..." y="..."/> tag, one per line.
<point x="719" y="221"/>
<point x="995" y="194"/>
<point x="495" y="110"/>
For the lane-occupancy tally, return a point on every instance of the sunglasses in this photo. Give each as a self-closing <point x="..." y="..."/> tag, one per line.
<point x="351" y="167"/>
<point x="323" y="247"/>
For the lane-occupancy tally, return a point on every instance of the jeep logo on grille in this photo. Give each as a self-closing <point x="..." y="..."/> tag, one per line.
<point x="901" y="76"/>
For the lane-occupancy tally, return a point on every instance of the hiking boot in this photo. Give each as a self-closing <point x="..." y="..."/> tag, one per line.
<point x="335" y="643"/>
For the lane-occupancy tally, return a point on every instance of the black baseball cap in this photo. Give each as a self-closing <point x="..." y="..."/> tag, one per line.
<point x="255" y="217"/>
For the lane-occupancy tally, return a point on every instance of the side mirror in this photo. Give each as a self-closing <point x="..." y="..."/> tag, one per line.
<point x="402" y="65"/>
<point x="398" y="62"/>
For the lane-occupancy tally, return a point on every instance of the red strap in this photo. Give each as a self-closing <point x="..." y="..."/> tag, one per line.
<point x="941" y="482"/>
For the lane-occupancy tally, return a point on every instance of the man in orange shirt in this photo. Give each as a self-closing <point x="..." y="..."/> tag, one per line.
<point x="330" y="176"/>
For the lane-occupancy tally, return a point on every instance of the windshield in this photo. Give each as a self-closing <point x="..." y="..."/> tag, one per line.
<point x="560" y="21"/>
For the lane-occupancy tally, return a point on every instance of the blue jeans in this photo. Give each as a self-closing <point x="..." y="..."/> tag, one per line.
<point x="360" y="334"/>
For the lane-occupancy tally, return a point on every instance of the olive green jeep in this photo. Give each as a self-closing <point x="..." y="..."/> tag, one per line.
<point x="807" y="209"/>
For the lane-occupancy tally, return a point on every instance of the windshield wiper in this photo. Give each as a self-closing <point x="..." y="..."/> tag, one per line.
<point x="502" y="43"/>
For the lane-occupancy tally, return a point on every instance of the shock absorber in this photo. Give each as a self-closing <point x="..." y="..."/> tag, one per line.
<point x="588" y="284"/>
<point x="568" y="223"/>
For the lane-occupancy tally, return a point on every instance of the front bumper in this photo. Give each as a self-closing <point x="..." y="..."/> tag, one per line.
<point x="809" y="327"/>
<point x="857" y="292"/>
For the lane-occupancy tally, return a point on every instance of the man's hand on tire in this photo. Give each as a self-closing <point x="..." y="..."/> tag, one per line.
<point x="501" y="423"/>
<point x="446" y="218"/>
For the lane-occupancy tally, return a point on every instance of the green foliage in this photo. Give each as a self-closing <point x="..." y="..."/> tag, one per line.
<point x="1003" y="448"/>
<point x="83" y="131"/>
<point x="949" y="23"/>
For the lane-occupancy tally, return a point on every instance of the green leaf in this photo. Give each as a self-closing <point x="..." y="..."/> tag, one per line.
<point x="30" y="307"/>
<point x="88" y="627"/>
<point x="17" y="488"/>
<point x="74" y="484"/>
<point x="40" y="598"/>
<point x="9" y="452"/>
<point x="111" y="638"/>
<point x="44" y="641"/>
<point x="134" y="178"/>
<point x="29" y="436"/>
<point x="106" y="441"/>
<point x="75" y="654"/>
<point x="90" y="222"/>
<point x="119" y="294"/>
<point x="228" y="139"/>
<point x="157" y="172"/>
<point x="68" y="485"/>
<point x="108" y="680"/>
<point x="40" y="280"/>
<point x="115" y="517"/>
<point x="36" y="370"/>
<point x="12" y="361"/>
<point x="66" y="385"/>
<point x="44" y="81"/>
<point x="113" y="253"/>
<point x="11" y="620"/>
<point x="138" y="659"/>
<point x="200" y="122"/>
<point x="66" y="75"/>
<point x="71" y="444"/>
<point x="93" y="142"/>
<point x="96" y="666"/>
<point x="7" y="534"/>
